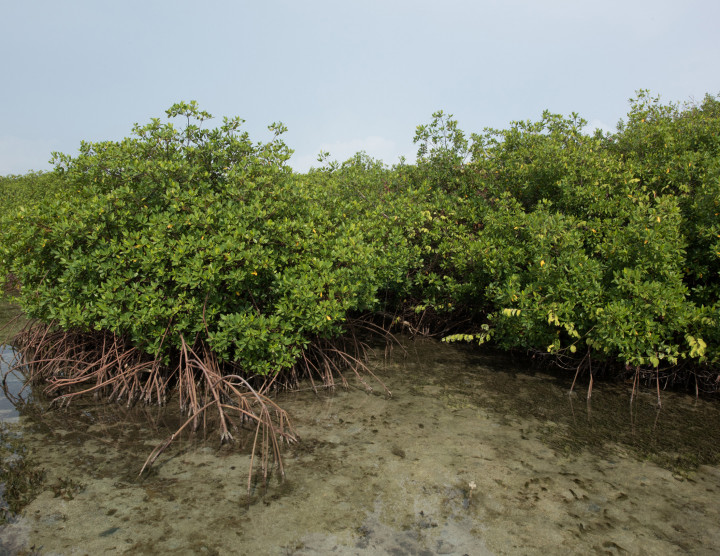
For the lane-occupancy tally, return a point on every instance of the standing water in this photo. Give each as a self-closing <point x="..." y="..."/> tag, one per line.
<point x="473" y="454"/>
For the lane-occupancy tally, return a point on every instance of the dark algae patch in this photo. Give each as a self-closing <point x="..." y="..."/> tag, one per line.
<point x="20" y="478"/>
<point x="110" y="531"/>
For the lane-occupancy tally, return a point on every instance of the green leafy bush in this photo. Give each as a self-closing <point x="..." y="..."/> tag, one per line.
<point x="193" y="233"/>
<point x="538" y="237"/>
<point x="18" y="197"/>
<point x="588" y="244"/>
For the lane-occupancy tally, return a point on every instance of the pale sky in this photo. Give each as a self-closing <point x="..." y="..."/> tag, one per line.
<point x="342" y="75"/>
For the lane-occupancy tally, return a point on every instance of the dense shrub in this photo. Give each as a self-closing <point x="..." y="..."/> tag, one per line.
<point x="18" y="196"/>
<point x="598" y="244"/>
<point x="192" y="233"/>
<point x="538" y="237"/>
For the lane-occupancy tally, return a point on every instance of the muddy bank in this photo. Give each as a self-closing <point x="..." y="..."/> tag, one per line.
<point x="471" y="455"/>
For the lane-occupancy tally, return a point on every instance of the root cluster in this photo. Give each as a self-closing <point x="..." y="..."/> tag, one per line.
<point x="67" y="364"/>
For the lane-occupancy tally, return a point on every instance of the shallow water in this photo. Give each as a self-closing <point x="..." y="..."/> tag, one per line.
<point x="14" y="384"/>
<point x="472" y="454"/>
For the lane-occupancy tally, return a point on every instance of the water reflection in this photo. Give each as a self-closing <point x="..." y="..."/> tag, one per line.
<point x="12" y="385"/>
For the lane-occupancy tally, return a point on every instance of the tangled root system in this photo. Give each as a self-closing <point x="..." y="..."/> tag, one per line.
<point x="67" y="364"/>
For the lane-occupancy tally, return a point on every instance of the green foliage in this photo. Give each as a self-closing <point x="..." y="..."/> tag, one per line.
<point x="23" y="192"/>
<point x="539" y="237"/>
<point x="676" y="151"/>
<point x="19" y="196"/>
<point x="554" y="240"/>
<point x="442" y="149"/>
<point x="589" y="242"/>
<point x="192" y="232"/>
<point x="530" y="160"/>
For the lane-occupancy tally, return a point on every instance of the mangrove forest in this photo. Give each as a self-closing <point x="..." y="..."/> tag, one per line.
<point x="190" y="265"/>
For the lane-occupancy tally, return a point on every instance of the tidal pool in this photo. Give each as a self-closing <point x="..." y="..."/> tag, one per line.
<point x="473" y="454"/>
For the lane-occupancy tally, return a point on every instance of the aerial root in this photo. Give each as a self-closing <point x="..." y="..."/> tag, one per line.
<point x="326" y="360"/>
<point x="69" y="364"/>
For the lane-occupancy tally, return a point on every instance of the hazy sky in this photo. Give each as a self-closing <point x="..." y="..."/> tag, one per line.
<point x="343" y="75"/>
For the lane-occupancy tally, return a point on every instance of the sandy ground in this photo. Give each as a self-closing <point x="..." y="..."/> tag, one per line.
<point x="447" y="465"/>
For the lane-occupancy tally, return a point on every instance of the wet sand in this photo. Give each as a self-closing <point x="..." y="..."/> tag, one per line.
<point x="471" y="455"/>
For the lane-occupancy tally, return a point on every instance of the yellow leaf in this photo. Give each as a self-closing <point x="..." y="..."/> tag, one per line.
<point x="328" y="317"/>
<point x="169" y="225"/>
<point x="542" y="263"/>
<point x="254" y="273"/>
